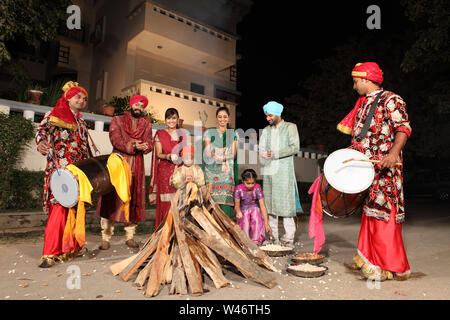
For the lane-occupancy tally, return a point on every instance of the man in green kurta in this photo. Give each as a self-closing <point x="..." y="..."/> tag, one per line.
<point x="279" y="143"/>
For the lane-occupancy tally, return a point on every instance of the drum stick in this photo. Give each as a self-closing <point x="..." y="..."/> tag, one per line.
<point x="366" y="160"/>
<point x="49" y="153"/>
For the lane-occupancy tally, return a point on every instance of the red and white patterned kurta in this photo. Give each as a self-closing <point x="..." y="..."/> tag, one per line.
<point x="70" y="146"/>
<point x="386" y="192"/>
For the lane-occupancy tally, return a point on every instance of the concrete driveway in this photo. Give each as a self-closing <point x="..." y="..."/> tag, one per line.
<point x="426" y="235"/>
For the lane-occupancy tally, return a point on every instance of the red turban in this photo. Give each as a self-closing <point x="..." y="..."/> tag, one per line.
<point x="368" y="70"/>
<point x="61" y="115"/>
<point x="138" y="98"/>
<point x="187" y="150"/>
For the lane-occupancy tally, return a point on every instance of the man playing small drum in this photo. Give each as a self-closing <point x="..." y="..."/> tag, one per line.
<point x="62" y="136"/>
<point x="131" y="137"/>
<point x="381" y="254"/>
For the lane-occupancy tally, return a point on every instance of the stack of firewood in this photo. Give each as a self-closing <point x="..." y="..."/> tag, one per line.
<point x="194" y="237"/>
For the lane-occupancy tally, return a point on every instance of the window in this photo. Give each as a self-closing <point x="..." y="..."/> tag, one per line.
<point x="197" y="88"/>
<point x="63" y="54"/>
<point x="224" y="94"/>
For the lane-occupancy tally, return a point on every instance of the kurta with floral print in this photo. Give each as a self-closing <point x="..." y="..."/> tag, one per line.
<point x="69" y="146"/>
<point x="390" y="117"/>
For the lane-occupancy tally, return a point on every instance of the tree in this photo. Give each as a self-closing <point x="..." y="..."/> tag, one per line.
<point x="31" y="20"/>
<point x="431" y="21"/>
<point x="326" y="96"/>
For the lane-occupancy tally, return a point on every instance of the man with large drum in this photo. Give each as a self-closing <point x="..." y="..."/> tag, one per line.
<point x="381" y="254"/>
<point x="62" y="136"/>
<point x="131" y="136"/>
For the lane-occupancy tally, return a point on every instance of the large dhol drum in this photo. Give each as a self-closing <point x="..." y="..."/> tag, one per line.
<point x="344" y="186"/>
<point x="64" y="185"/>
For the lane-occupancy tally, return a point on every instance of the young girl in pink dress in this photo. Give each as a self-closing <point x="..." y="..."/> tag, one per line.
<point x="251" y="212"/>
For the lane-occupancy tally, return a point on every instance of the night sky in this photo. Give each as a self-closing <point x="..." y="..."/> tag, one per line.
<point x="279" y="40"/>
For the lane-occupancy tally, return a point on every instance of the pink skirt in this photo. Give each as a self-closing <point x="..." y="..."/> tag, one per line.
<point x="252" y="223"/>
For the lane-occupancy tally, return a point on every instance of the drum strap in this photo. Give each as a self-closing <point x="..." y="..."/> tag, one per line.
<point x="362" y="135"/>
<point x="93" y="144"/>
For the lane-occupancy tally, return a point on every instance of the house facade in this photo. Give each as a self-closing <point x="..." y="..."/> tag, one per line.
<point x="162" y="50"/>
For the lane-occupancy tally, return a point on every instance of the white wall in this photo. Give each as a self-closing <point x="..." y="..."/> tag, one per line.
<point x="306" y="170"/>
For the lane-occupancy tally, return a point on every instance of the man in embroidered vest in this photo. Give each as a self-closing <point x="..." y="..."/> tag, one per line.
<point x="62" y="136"/>
<point x="131" y="137"/>
<point x="278" y="145"/>
<point x="381" y="254"/>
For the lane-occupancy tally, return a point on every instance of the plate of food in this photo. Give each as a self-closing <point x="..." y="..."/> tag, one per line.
<point x="306" y="270"/>
<point x="311" y="258"/>
<point x="276" y="250"/>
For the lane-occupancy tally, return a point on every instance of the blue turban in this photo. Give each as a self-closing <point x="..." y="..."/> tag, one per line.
<point x="273" y="107"/>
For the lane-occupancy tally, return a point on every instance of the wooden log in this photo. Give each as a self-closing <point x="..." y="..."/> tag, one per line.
<point x="141" y="256"/>
<point x="160" y="258"/>
<point x="198" y="269"/>
<point x="178" y="285"/>
<point x="144" y="274"/>
<point x="249" y="247"/>
<point x="119" y="266"/>
<point x="221" y="236"/>
<point x="212" y="220"/>
<point x="167" y="273"/>
<point x="247" y="267"/>
<point x="199" y="216"/>
<point x="195" y="284"/>
<point x="210" y="255"/>
<point x="206" y="192"/>
<point x="214" y="271"/>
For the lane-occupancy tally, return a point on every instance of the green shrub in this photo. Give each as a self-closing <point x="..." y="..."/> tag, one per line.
<point x="27" y="188"/>
<point x="15" y="133"/>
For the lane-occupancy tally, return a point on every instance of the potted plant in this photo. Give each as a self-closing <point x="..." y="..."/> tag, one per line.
<point x="35" y="92"/>
<point x="151" y="115"/>
<point x="116" y="106"/>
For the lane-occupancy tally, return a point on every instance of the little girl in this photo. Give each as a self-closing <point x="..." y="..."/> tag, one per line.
<point x="251" y="211"/>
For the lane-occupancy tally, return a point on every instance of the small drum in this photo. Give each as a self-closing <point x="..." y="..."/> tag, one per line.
<point x="64" y="185"/>
<point x="344" y="186"/>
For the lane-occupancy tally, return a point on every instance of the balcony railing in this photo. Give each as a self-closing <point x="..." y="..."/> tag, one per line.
<point x="135" y="88"/>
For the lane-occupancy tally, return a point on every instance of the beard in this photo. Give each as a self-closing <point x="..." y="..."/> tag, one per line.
<point x="135" y="113"/>
<point x="275" y="121"/>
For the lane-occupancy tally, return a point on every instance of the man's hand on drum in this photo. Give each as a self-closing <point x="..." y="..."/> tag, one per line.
<point x="389" y="161"/>
<point x="43" y="148"/>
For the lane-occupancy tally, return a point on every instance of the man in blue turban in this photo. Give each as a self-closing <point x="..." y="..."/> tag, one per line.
<point x="273" y="107"/>
<point x="278" y="145"/>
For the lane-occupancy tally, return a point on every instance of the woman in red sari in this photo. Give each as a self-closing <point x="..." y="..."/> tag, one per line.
<point x="168" y="143"/>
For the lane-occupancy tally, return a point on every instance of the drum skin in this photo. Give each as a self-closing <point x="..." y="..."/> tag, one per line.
<point x="338" y="204"/>
<point x="96" y="171"/>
